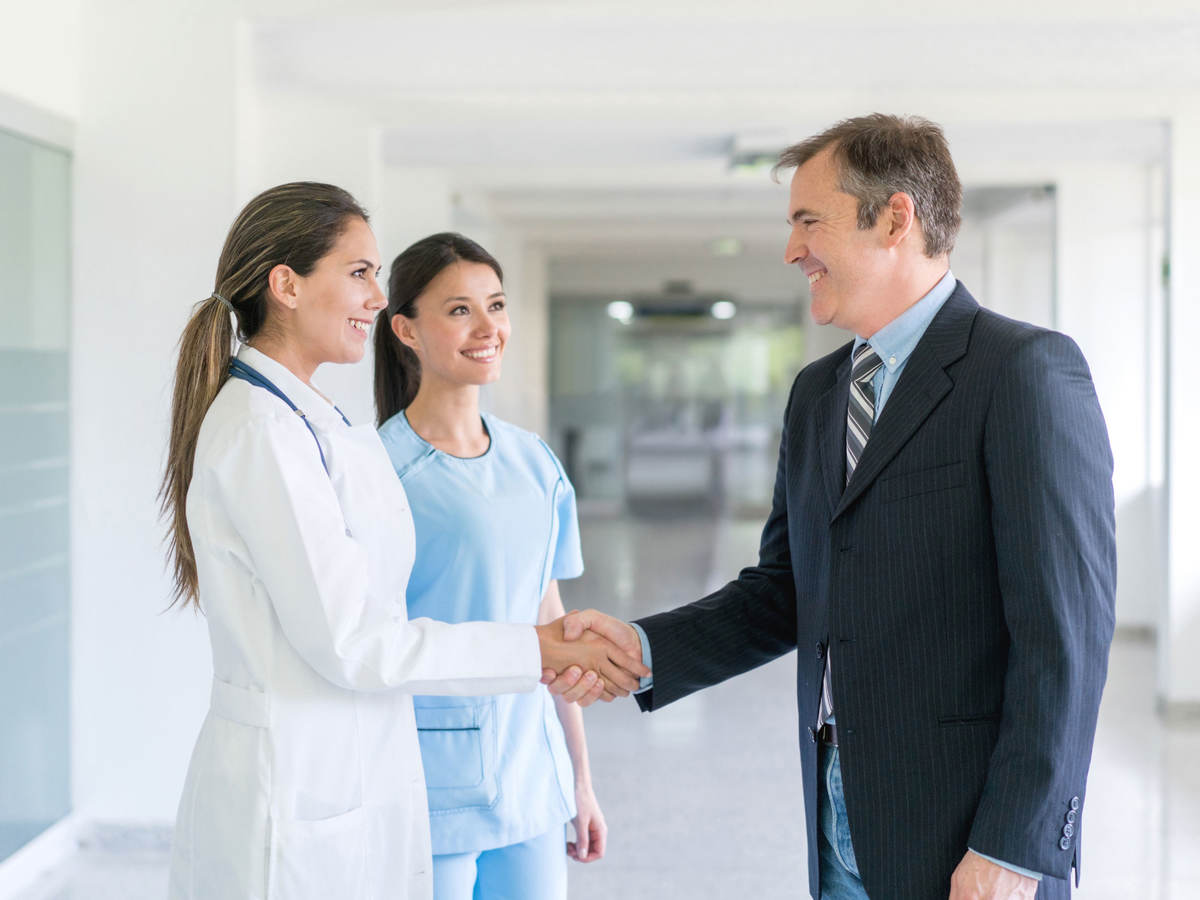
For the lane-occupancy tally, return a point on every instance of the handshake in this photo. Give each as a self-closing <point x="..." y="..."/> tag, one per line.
<point x="589" y="656"/>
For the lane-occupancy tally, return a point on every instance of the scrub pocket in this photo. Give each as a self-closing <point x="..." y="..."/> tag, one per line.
<point x="458" y="752"/>
<point x="320" y="858"/>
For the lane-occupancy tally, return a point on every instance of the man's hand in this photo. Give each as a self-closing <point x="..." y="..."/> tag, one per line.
<point x="979" y="879"/>
<point x="571" y="651"/>
<point x="571" y="683"/>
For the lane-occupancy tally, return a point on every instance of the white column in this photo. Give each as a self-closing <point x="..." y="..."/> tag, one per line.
<point x="527" y="385"/>
<point x="289" y="136"/>
<point x="1179" y="669"/>
<point x="413" y="203"/>
<point x="522" y="396"/>
<point x="1103" y="302"/>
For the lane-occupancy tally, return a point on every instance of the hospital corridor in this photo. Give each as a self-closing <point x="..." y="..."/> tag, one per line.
<point x="535" y="264"/>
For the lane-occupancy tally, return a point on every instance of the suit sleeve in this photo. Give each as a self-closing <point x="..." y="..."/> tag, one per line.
<point x="1049" y="471"/>
<point x="283" y="508"/>
<point x="748" y="622"/>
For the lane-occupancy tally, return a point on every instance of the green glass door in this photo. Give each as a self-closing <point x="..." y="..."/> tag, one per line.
<point x="34" y="512"/>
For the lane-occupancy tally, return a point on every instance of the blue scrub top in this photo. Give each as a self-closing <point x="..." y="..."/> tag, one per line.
<point x="492" y="531"/>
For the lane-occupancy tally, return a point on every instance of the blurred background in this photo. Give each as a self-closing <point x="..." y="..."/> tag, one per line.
<point x="615" y="157"/>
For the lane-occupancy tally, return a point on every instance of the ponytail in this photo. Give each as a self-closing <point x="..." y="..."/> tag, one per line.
<point x="202" y="369"/>
<point x="293" y="225"/>
<point x="397" y="368"/>
<point x="397" y="371"/>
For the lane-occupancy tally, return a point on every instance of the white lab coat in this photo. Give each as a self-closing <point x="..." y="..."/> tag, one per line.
<point x="306" y="780"/>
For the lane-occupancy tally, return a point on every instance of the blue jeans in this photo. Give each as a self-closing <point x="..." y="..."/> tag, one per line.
<point x="839" y="869"/>
<point x="535" y="869"/>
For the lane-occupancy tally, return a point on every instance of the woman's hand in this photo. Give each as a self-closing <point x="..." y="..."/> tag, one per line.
<point x="591" y="831"/>
<point x="591" y="652"/>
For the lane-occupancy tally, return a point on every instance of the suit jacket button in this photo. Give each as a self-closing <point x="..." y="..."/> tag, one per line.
<point x="1065" y="843"/>
<point x="1071" y="816"/>
<point x="820" y="651"/>
<point x="1068" y="830"/>
<point x="1074" y="803"/>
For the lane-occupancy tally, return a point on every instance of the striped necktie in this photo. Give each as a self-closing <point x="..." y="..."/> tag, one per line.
<point x="860" y="416"/>
<point x="860" y="412"/>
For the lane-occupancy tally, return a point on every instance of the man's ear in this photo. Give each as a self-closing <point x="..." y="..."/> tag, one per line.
<point x="402" y="329"/>
<point x="283" y="286"/>
<point x="899" y="218"/>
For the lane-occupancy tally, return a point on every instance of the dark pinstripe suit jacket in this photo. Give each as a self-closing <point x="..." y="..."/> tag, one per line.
<point x="965" y="579"/>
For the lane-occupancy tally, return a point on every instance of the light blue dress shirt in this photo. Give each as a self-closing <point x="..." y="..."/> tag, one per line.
<point x="491" y="531"/>
<point x="894" y="344"/>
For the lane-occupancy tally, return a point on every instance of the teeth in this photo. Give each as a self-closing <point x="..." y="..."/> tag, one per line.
<point x="480" y="354"/>
<point x="361" y="326"/>
<point x="814" y="278"/>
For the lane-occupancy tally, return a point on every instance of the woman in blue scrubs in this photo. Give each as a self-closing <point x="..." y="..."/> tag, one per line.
<point x="496" y="531"/>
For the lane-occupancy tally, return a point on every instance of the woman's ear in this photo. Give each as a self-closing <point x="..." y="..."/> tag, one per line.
<point x="283" y="286"/>
<point x="402" y="328"/>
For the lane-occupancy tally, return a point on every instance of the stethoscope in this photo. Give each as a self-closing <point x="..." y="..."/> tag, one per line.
<point x="238" y="369"/>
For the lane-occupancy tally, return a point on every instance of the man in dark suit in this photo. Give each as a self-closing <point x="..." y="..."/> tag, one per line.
<point x="940" y="551"/>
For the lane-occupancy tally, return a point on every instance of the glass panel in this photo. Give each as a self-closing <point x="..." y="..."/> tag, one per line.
<point x="34" y="513"/>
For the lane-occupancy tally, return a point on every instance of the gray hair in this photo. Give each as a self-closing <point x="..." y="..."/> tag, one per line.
<point x="880" y="155"/>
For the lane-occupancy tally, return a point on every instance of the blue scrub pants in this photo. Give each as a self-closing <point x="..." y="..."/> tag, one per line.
<point x="535" y="869"/>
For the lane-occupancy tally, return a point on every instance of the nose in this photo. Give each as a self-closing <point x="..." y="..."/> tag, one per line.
<point x="796" y="250"/>
<point x="378" y="299"/>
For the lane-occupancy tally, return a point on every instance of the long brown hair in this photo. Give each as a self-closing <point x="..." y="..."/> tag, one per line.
<point x="294" y="225"/>
<point x="397" y="369"/>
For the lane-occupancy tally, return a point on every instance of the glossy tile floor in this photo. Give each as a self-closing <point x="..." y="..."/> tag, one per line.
<point x="703" y="797"/>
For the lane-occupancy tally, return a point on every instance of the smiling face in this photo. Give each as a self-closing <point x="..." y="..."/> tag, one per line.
<point x="846" y="266"/>
<point x="461" y="327"/>
<point x="332" y="307"/>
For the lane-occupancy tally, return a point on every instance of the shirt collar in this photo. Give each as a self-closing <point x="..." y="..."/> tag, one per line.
<point x="307" y="400"/>
<point x="896" y="340"/>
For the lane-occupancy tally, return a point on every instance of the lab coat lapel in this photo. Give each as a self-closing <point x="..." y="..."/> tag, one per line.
<point x="316" y="408"/>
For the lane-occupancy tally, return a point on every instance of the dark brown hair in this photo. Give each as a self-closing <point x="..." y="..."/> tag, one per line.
<point x="397" y="369"/>
<point x="294" y="225"/>
<point x="880" y="155"/>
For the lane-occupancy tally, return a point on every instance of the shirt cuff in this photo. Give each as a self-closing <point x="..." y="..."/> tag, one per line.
<point x="647" y="682"/>
<point x="1037" y="876"/>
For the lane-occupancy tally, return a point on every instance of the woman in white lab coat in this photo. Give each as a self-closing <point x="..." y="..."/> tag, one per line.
<point x="291" y="532"/>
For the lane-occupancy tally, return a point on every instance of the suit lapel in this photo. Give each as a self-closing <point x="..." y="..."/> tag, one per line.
<point x="831" y="431"/>
<point x="922" y="386"/>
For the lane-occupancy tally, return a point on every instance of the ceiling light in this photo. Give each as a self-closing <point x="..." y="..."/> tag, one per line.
<point x="621" y="310"/>
<point x="724" y="309"/>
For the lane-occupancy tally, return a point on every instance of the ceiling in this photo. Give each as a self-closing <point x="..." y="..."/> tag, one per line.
<point x="606" y="128"/>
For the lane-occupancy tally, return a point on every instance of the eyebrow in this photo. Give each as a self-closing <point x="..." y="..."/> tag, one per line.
<point x="368" y="263"/>
<point x="467" y="299"/>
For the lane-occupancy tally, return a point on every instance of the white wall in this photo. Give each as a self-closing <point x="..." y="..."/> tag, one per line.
<point x="39" y="53"/>
<point x="154" y="195"/>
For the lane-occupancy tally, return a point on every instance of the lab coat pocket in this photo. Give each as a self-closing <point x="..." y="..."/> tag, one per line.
<point x="458" y="752"/>
<point x="319" y="858"/>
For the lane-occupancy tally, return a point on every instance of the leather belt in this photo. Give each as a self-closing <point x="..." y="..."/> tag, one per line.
<point x="827" y="734"/>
